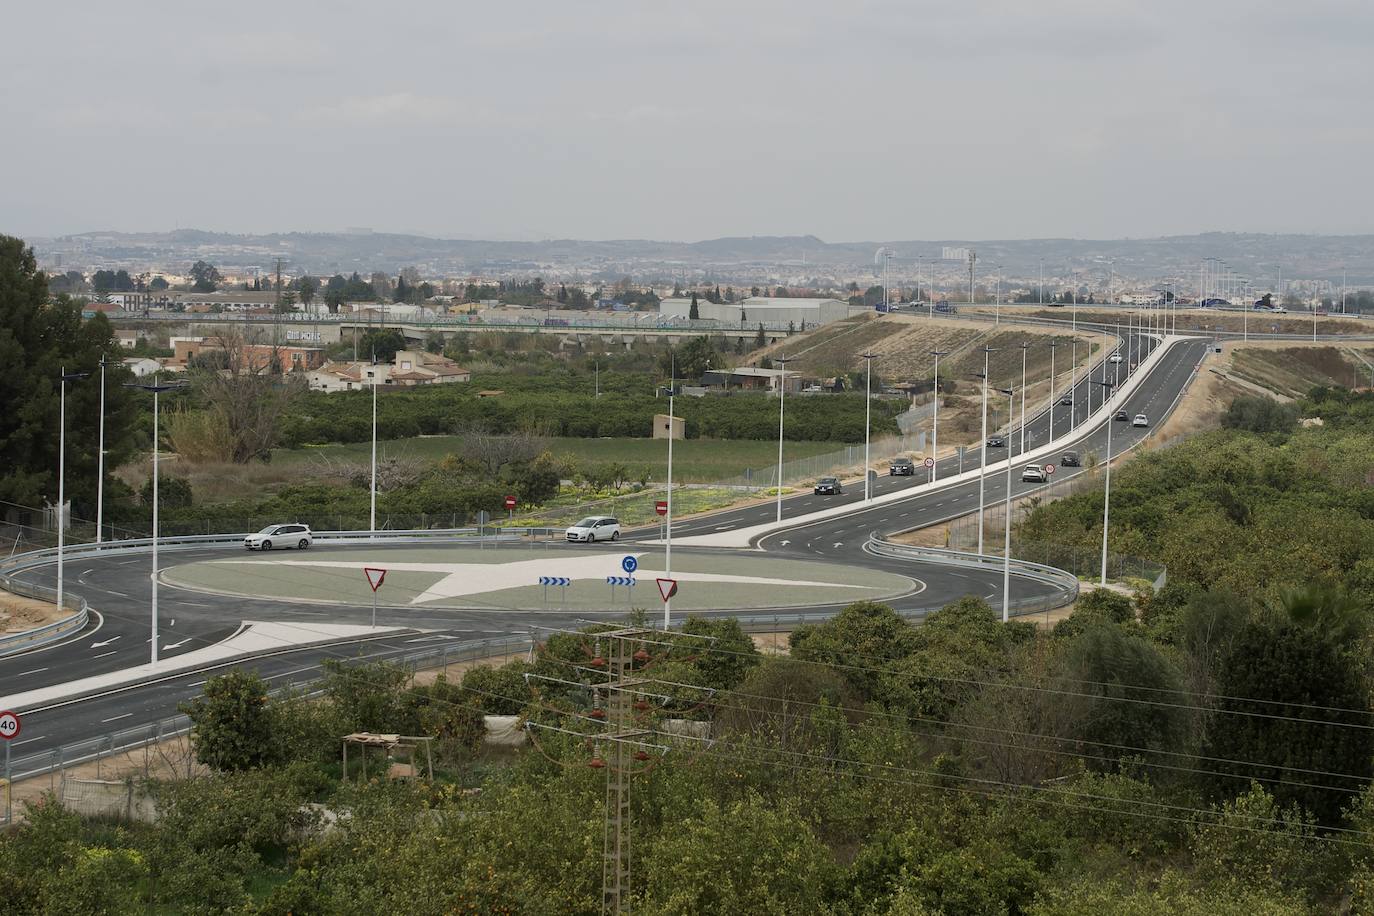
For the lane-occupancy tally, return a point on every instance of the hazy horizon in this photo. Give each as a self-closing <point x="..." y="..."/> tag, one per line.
<point x="875" y="120"/>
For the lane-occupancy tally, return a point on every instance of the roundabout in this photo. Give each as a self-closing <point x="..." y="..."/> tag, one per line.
<point x="466" y="578"/>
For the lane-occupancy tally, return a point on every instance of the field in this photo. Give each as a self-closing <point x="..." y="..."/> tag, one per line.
<point x="694" y="460"/>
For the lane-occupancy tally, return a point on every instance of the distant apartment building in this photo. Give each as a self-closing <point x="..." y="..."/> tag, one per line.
<point x="255" y="357"/>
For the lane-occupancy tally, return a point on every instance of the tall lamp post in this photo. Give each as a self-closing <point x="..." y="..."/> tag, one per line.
<point x="1006" y="531"/>
<point x="1053" y="346"/>
<point x="1024" y="347"/>
<point x="782" y="398"/>
<point x="100" y="461"/>
<point x="62" y="471"/>
<point x="372" y="487"/>
<point x="1073" y="385"/>
<point x="868" y="396"/>
<point x="935" y="420"/>
<point x="668" y="516"/>
<point x="1107" y="490"/>
<point x="983" y="463"/>
<point x="156" y="390"/>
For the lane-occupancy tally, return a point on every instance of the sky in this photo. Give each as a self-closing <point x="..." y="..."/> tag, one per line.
<point x="853" y="120"/>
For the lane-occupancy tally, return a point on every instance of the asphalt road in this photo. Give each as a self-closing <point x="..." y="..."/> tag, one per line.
<point x="119" y="586"/>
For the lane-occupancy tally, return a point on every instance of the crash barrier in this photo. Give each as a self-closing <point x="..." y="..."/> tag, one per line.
<point x="1062" y="585"/>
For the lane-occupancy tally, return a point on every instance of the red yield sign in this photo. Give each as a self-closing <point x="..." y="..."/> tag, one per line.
<point x="375" y="577"/>
<point x="667" y="588"/>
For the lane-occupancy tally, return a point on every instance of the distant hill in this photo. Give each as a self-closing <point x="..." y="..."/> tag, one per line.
<point x="1249" y="254"/>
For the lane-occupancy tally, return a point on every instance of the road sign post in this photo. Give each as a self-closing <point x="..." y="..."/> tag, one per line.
<point x="375" y="578"/>
<point x="9" y="730"/>
<point x="510" y="508"/>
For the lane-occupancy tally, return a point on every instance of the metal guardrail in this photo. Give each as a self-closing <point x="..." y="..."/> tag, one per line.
<point x="1064" y="584"/>
<point x="48" y="633"/>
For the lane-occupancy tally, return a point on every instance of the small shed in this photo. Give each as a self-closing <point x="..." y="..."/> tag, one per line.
<point x="392" y="747"/>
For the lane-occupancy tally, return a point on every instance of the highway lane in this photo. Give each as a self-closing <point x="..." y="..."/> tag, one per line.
<point x="1066" y="419"/>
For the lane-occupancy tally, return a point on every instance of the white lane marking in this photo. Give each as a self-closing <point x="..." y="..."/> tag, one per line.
<point x="104" y="643"/>
<point x="116" y="718"/>
<point x="196" y="684"/>
<point x="113" y="592"/>
<point x="34" y="671"/>
<point x="724" y="527"/>
<point x="104" y="655"/>
<point x="27" y="740"/>
<point x="86" y="573"/>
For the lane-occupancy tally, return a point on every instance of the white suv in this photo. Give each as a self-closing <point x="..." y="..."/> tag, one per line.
<point x="595" y="528"/>
<point x="298" y="536"/>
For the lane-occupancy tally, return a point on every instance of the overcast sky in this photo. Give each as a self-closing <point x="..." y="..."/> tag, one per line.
<point x="646" y="119"/>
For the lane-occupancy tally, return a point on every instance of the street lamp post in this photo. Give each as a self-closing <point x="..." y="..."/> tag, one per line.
<point x="62" y="471"/>
<point x="1006" y="527"/>
<point x="1073" y="385"/>
<point x="1053" y="346"/>
<point x="983" y="463"/>
<point x="668" y="516"/>
<point x="1107" y="491"/>
<point x="868" y="396"/>
<point x="782" y="398"/>
<point x="100" y="461"/>
<point x="372" y="487"/>
<point x="935" y="420"/>
<point x="1024" y="347"/>
<point x="156" y="390"/>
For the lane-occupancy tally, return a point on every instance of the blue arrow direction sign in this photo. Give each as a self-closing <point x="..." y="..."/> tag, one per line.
<point x="555" y="580"/>
<point x="620" y="580"/>
<point x="629" y="564"/>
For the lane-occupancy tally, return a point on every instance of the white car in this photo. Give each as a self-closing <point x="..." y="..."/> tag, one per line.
<point x="595" y="528"/>
<point x="1140" y="420"/>
<point x="1114" y="358"/>
<point x="298" y="536"/>
<point x="1034" y="473"/>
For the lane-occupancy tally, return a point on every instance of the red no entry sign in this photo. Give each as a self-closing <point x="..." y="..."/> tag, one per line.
<point x="661" y="507"/>
<point x="510" y="502"/>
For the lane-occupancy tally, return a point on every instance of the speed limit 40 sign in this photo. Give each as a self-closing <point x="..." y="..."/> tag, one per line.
<point x="9" y="725"/>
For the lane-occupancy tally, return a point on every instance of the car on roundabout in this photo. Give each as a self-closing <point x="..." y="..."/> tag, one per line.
<point x="280" y="536"/>
<point x="904" y="467"/>
<point x="594" y="528"/>
<point x="1034" y="473"/>
<point x="1140" y="420"/>
<point x="828" y="486"/>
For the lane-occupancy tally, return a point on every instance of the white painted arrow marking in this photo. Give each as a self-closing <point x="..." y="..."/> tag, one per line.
<point x="838" y="544"/>
<point x="101" y="645"/>
<point x="177" y="645"/>
<point x="783" y="543"/>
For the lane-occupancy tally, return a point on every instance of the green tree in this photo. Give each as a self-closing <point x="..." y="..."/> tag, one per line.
<point x="693" y="312"/>
<point x="231" y="727"/>
<point x="205" y="278"/>
<point x="38" y="341"/>
<point x="1294" y="694"/>
<point x="307" y="286"/>
<point x="383" y="344"/>
<point x="760" y="340"/>
<point x="158" y="283"/>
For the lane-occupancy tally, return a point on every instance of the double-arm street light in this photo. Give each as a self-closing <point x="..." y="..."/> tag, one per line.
<point x="1053" y="346"/>
<point x="100" y="461"/>
<point x="372" y="488"/>
<point x="156" y="390"/>
<point x="65" y="377"/>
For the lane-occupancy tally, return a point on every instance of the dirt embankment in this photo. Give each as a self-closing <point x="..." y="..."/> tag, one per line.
<point x="18" y="614"/>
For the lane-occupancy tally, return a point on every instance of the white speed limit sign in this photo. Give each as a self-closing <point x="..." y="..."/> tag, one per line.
<point x="9" y="725"/>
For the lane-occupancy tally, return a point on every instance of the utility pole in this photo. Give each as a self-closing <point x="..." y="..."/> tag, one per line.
<point x="983" y="463"/>
<point x="935" y="420"/>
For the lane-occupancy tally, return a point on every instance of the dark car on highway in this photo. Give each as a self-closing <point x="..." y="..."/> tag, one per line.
<point x="1069" y="460"/>
<point x="1066" y="401"/>
<point x="828" y="486"/>
<point x="1122" y="416"/>
<point x="996" y="442"/>
<point x="901" y="466"/>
